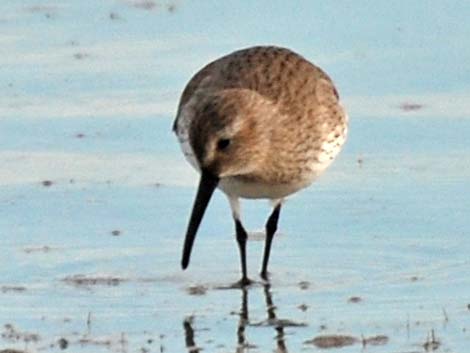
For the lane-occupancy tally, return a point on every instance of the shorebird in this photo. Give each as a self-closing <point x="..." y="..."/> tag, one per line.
<point x="259" y="123"/>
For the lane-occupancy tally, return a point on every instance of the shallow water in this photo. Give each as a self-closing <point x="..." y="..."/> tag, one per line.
<point x="95" y="195"/>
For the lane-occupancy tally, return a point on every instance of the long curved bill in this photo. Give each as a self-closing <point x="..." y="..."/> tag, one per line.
<point x="207" y="185"/>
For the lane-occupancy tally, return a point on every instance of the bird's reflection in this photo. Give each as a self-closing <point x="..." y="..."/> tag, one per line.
<point x="243" y="343"/>
<point x="272" y="320"/>
<point x="242" y="322"/>
<point x="189" y="335"/>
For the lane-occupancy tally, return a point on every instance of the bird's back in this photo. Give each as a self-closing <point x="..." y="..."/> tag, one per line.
<point x="276" y="73"/>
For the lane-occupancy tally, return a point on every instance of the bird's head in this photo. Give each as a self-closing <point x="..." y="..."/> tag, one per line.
<point x="230" y="136"/>
<point x="230" y="132"/>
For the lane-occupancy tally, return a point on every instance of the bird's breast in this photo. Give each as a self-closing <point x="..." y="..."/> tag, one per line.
<point x="250" y="189"/>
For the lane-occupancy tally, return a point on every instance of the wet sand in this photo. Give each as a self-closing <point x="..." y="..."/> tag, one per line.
<point x="88" y="290"/>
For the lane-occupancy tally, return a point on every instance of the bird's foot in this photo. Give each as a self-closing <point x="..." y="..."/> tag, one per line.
<point x="265" y="276"/>
<point x="243" y="283"/>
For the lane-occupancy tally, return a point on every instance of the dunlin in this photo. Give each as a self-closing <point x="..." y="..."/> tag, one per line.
<point x="259" y="123"/>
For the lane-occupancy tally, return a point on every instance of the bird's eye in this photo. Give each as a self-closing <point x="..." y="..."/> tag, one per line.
<point x="222" y="144"/>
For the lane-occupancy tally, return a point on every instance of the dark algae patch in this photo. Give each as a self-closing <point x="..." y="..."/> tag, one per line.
<point x="87" y="281"/>
<point x="12" y="289"/>
<point x="355" y="300"/>
<point x="197" y="290"/>
<point x="338" y="341"/>
<point x="12" y="334"/>
<point x="63" y="343"/>
<point x="43" y="249"/>
<point x="410" y="106"/>
<point x="81" y="56"/>
<point x="332" y="341"/>
<point x="145" y="4"/>
<point x="378" y="340"/>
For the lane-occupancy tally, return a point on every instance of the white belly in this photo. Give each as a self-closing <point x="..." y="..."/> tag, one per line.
<point x="233" y="186"/>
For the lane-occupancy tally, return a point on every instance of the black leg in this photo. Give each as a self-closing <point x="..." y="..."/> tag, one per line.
<point x="241" y="240"/>
<point x="271" y="227"/>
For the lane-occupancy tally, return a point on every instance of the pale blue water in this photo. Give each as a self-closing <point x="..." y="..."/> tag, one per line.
<point x="88" y="103"/>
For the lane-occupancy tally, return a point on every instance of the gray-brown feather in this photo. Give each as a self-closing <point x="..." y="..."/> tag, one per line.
<point x="311" y="124"/>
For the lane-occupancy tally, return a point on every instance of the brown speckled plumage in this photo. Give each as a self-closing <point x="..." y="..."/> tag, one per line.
<point x="307" y="121"/>
<point x="278" y="113"/>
